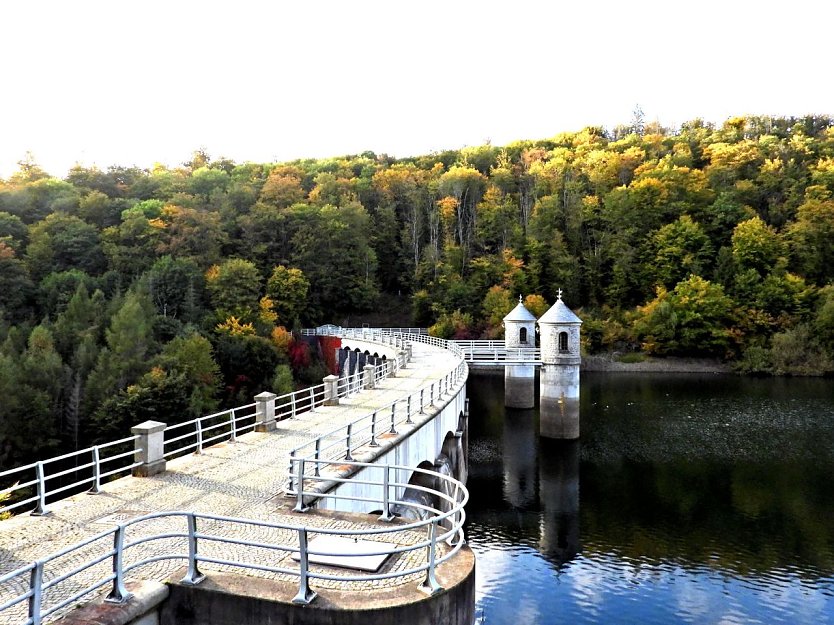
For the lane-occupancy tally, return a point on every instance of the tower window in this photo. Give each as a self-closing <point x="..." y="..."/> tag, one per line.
<point x="522" y="335"/>
<point x="563" y="341"/>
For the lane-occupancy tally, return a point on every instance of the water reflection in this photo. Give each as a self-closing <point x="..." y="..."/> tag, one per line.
<point x="702" y="500"/>
<point x="559" y="494"/>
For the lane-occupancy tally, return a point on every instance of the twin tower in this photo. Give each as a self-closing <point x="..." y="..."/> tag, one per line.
<point x="560" y="359"/>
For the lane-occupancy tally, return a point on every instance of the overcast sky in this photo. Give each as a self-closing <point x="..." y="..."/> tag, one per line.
<point x="133" y="82"/>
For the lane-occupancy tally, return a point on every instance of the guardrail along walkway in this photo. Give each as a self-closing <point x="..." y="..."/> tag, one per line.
<point x="239" y="481"/>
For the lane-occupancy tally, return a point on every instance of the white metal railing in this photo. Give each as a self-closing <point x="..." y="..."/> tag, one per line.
<point x="32" y="484"/>
<point x="343" y="441"/>
<point x="35" y="482"/>
<point x="328" y="329"/>
<point x="497" y="352"/>
<point x="212" y="539"/>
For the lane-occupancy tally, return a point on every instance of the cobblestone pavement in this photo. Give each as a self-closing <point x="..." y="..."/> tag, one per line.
<point x="242" y="479"/>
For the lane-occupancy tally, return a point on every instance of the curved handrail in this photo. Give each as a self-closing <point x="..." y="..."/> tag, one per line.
<point x="344" y="440"/>
<point x="192" y="544"/>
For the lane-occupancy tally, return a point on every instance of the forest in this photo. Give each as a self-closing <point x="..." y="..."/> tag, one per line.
<point x="128" y="294"/>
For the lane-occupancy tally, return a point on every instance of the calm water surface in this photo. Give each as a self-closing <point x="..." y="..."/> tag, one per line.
<point x="689" y="499"/>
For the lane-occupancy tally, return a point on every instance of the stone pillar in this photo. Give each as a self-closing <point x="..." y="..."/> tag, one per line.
<point x="150" y="448"/>
<point x="368" y="376"/>
<point x="520" y="386"/>
<point x="559" y="401"/>
<point x="331" y="390"/>
<point x="402" y="356"/>
<point x="265" y="412"/>
<point x="409" y="352"/>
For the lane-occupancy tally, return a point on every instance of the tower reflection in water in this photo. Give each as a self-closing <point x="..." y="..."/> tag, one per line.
<point x="543" y="473"/>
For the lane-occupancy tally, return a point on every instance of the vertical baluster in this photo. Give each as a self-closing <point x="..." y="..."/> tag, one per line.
<point x="232" y="426"/>
<point x="318" y="457"/>
<point x="386" y="497"/>
<point x="40" y="508"/>
<point x="199" y="449"/>
<point x="348" y="457"/>
<point x="408" y="412"/>
<point x="193" y="575"/>
<point x="393" y="417"/>
<point x="96" y="487"/>
<point x="299" y="503"/>
<point x="430" y="584"/>
<point x="373" y="442"/>
<point x="118" y="593"/>
<point x="305" y="593"/>
<point x="36" y="588"/>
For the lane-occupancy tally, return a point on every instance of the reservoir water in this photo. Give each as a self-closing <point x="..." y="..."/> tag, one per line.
<point x="702" y="499"/>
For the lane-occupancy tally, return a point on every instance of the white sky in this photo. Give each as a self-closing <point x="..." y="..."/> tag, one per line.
<point x="133" y="82"/>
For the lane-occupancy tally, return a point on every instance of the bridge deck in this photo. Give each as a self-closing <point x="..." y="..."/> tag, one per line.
<point x="241" y="479"/>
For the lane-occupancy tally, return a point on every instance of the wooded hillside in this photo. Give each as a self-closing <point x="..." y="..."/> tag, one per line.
<point x="129" y="294"/>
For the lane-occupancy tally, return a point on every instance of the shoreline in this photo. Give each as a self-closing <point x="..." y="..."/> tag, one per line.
<point x="606" y="363"/>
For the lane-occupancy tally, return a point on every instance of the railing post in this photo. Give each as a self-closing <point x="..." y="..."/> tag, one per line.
<point x="408" y="412"/>
<point x="348" y="457"/>
<point x="299" y="503"/>
<point x="305" y="593"/>
<point x="331" y="390"/>
<point x="312" y="400"/>
<point x="199" y="424"/>
<point x="232" y="427"/>
<point x="289" y="472"/>
<point x="430" y="585"/>
<point x="373" y="442"/>
<point x="149" y="448"/>
<point x="96" y="487"/>
<point x="193" y="575"/>
<point x="118" y="594"/>
<point x="292" y="405"/>
<point x="40" y="508"/>
<point x="36" y="588"/>
<point x="368" y="376"/>
<point x="431" y="394"/>
<point x="386" y="497"/>
<point x="317" y="470"/>
<point x="393" y="416"/>
<point x="421" y="401"/>
<point x="265" y="412"/>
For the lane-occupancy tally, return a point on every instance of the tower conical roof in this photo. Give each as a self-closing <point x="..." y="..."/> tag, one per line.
<point x="520" y="313"/>
<point x="559" y="313"/>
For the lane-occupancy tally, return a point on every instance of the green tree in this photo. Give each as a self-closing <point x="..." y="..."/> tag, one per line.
<point x="62" y="242"/>
<point x="287" y="288"/>
<point x="696" y="318"/>
<point x="235" y="288"/>
<point x="680" y="248"/>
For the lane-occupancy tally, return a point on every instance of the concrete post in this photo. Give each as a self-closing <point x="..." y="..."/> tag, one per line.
<point x="368" y="376"/>
<point x="331" y="390"/>
<point x="402" y="356"/>
<point x="408" y="351"/>
<point x="150" y="448"/>
<point x="265" y="412"/>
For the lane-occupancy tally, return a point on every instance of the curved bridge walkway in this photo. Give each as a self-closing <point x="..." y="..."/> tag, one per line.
<point x="244" y="479"/>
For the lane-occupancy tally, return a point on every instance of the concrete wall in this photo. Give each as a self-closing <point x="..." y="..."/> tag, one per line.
<point x="225" y="599"/>
<point x="423" y="444"/>
<point x="520" y="386"/>
<point x="143" y="608"/>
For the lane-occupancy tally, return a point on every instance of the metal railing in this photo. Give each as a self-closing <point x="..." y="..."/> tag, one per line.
<point x="343" y="441"/>
<point x="199" y="539"/>
<point x="328" y="329"/>
<point x="498" y="352"/>
<point x="39" y="481"/>
<point x="33" y="485"/>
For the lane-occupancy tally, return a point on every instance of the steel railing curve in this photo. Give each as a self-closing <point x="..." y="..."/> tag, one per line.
<point x="192" y="541"/>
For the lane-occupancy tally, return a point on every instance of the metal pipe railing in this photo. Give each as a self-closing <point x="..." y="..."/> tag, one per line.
<point x="443" y="531"/>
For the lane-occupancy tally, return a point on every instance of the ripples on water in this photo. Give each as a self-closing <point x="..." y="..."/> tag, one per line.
<point x="688" y="500"/>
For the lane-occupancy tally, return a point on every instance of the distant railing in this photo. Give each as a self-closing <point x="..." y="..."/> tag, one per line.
<point x="343" y="441"/>
<point x="498" y="352"/>
<point x="36" y="482"/>
<point x="210" y="539"/>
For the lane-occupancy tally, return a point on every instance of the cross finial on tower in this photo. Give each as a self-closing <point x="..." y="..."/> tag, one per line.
<point x="559" y="293"/>
<point x="519" y="298"/>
